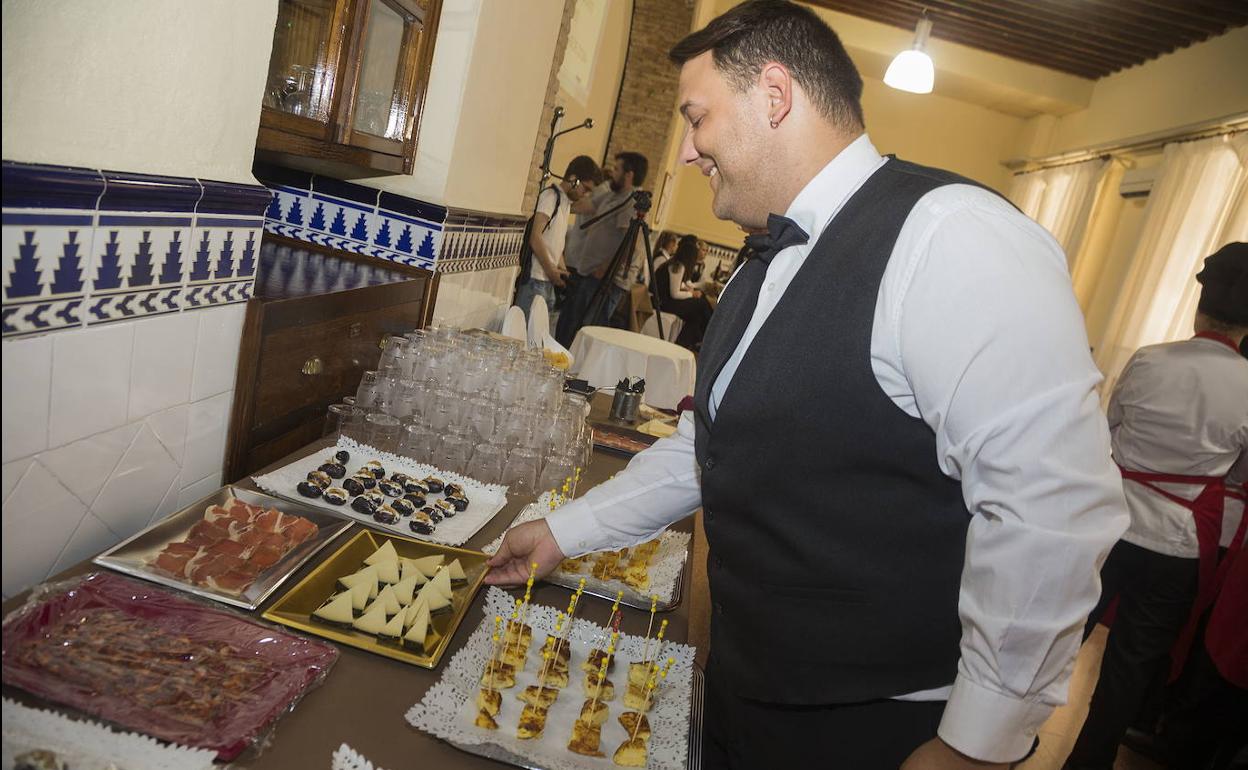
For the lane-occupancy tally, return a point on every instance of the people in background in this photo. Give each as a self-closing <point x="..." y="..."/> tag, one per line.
<point x="1179" y="421"/>
<point x="549" y="232"/>
<point x="897" y="446"/>
<point x="588" y="266"/>
<point x="680" y="298"/>
<point x="664" y="247"/>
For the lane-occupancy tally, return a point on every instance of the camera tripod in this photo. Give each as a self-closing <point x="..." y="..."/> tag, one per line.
<point x="641" y="200"/>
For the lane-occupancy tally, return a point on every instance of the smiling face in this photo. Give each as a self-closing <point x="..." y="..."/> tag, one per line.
<point x="725" y="137"/>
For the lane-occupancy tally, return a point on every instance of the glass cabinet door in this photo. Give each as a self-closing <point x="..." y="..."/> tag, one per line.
<point x="390" y="48"/>
<point x="300" y="68"/>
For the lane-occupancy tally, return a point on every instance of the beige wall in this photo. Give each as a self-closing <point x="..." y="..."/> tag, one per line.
<point x="605" y="84"/>
<point x="155" y="86"/>
<point x="1197" y="83"/>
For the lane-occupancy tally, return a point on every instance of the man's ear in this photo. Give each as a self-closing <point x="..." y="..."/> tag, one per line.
<point x="777" y="83"/>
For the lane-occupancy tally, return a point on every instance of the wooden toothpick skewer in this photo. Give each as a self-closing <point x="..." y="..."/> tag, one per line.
<point x="654" y="603"/>
<point x="489" y="669"/>
<point x="513" y="623"/>
<point x="659" y="646"/>
<point x="541" y="682"/>
<point x="651" y="684"/>
<point x="602" y="675"/>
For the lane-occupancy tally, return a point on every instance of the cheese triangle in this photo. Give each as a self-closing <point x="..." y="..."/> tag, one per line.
<point x="411" y="611"/>
<point x="388" y="572"/>
<point x="442" y="582"/>
<point x="429" y="564"/>
<point x="457" y="572"/>
<point x="388" y="600"/>
<point x="361" y="595"/>
<point x="359" y="576"/>
<point x="393" y="629"/>
<point x="420" y="627"/>
<point x="384" y="555"/>
<point x="432" y="598"/>
<point x="337" y="610"/>
<point x="408" y="568"/>
<point x="405" y="589"/>
<point x="372" y="621"/>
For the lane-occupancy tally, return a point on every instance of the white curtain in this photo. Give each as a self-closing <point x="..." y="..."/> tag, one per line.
<point x="1061" y="199"/>
<point x="1198" y="203"/>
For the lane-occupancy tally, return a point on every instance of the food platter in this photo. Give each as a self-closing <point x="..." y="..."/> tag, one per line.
<point x="447" y="709"/>
<point x="295" y="609"/>
<point x="138" y="556"/>
<point x="666" y="569"/>
<point x="483" y="501"/>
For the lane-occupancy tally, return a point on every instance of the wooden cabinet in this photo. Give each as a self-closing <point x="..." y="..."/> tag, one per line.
<point x="347" y="80"/>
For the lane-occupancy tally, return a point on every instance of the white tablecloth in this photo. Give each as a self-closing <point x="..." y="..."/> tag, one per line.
<point x="605" y="356"/>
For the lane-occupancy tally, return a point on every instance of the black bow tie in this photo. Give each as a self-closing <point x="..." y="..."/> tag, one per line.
<point x="782" y="233"/>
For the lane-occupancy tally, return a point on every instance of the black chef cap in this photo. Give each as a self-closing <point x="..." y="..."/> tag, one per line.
<point x="1224" y="285"/>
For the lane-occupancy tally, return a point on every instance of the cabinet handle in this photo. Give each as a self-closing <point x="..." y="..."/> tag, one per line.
<point x="313" y="366"/>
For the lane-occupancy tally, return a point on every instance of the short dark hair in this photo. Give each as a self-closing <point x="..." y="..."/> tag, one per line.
<point x="583" y="168"/>
<point x="636" y="163"/>
<point x="687" y="252"/>
<point x="667" y="236"/>
<point x="745" y="38"/>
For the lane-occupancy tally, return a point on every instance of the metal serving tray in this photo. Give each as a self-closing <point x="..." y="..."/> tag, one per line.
<point x="134" y="556"/>
<point x="295" y="608"/>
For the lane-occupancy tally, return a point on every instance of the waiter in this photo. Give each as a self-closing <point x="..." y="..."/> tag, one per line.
<point x="896" y="442"/>
<point x="1179" y="422"/>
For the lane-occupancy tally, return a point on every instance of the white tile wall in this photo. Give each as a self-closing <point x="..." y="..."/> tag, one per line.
<point x="107" y="429"/>
<point x="477" y="299"/>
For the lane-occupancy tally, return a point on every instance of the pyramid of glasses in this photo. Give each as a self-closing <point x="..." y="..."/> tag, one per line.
<point x="466" y="402"/>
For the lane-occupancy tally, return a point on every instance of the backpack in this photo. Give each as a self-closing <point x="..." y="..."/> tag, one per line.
<point x="526" y="251"/>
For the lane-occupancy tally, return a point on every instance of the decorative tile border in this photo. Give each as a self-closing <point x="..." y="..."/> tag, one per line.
<point x="88" y="247"/>
<point x="361" y="220"/>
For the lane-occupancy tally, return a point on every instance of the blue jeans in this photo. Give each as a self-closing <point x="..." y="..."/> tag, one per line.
<point x="535" y="288"/>
<point x="615" y="295"/>
<point x="575" y="306"/>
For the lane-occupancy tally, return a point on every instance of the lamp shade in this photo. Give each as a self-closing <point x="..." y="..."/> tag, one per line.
<point x="911" y="71"/>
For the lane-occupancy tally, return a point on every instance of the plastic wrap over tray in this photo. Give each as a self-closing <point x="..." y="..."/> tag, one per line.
<point x="163" y="665"/>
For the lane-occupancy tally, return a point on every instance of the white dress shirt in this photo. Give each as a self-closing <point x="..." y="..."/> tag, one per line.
<point x="976" y="332"/>
<point x="1181" y="408"/>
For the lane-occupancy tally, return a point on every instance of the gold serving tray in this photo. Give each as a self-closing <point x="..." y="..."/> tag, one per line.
<point x="295" y="608"/>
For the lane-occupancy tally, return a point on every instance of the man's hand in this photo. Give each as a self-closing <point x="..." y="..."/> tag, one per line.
<point x="529" y="542"/>
<point x="938" y="755"/>
<point x="557" y="276"/>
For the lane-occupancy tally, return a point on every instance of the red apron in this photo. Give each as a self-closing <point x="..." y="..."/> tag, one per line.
<point x="1226" y="635"/>
<point x="1207" y="510"/>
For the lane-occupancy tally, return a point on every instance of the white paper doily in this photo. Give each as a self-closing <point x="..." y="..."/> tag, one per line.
<point x="484" y="500"/>
<point x="347" y="758"/>
<point x="87" y="745"/>
<point x="665" y="567"/>
<point x="449" y="707"/>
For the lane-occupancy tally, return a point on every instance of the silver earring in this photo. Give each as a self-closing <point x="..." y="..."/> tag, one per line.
<point x="774" y="124"/>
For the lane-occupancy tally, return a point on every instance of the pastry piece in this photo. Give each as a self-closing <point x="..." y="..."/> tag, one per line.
<point x="521" y="630"/>
<point x="635" y="697"/>
<point x="368" y="480"/>
<point x="638" y="673"/>
<point x="532" y="722"/>
<point x="452" y="490"/>
<point x="375" y="468"/>
<point x="373" y="620"/>
<point x="585" y="739"/>
<point x="433" y="483"/>
<point x="414" y="487"/>
<point x="631" y="753"/>
<point x="375" y="497"/>
<point x="363" y="505"/>
<point x="556" y="675"/>
<point x="420" y="526"/>
<point x="354" y="486"/>
<point x="390" y="488"/>
<point x="637" y="577"/>
<point x="458" y="502"/>
<point x="442" y="582"/>
<point x="565" y="649"/>
<point x="400" y="478"/>
<point x="386" y="515"/>
<point x="593" y="713"/>
<point x="408" y="568"/>
<point x="308" y="489"/>
<point x="338" y="611"/>
<point x="335" y="496"/>
<point x="457" y="572"/>
<point x="393" y="631"/>
<point x="389" y="600"/>
<point x="485" y="721"/>
<point x="361" y="594"/>
<point x="446" y="509"/>
<point x="628" y="720"/>
<point x="342" y="456"/>
<point x="403" y="507"/>
<point x="334" y="470"/>
<point x="320" y="478"/>
<point x="604" y="690"/>
<point x="405" y="589"/>
<point x="499" y="676"/>
<point x="514" y="655"/>
<point x="419" y="630"/>
<point x="489" y="701"/>
<point x="432" y="597"/>
<point x="388" y="571"/>
<point x="431" y="513"/>
<point x="594" y="661"/>
<point x="543" y="697"/>
<point x="570" y="565"/>
<point x="417" y="500"/>
<point x="363" y="575"/>
<point x="429" y="564"/>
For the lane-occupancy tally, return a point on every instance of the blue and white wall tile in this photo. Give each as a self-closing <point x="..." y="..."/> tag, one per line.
<point x="119" y="416"/>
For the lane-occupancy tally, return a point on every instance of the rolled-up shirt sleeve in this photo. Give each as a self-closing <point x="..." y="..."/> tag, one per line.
<point x="993" y="345"/>
<point x="659" y="486"/>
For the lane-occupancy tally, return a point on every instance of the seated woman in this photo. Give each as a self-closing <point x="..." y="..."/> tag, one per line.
<point x="663" y="249"/>
<point x="679" y="298"/>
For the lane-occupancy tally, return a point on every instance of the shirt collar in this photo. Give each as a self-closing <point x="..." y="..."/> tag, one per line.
<point x="824" y="195"/>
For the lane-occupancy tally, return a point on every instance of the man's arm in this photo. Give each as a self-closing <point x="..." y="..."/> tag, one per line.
<point x="660" y="486"/>
<point x="993" y="345"/>
<point x="554" y="273"/>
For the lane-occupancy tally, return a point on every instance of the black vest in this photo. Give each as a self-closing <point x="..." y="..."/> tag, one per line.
<point x="836" y="543"/>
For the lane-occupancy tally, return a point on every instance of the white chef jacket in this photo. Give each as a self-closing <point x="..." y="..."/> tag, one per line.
<point x="977" y="332"/>
<point x="1182" y="408"/>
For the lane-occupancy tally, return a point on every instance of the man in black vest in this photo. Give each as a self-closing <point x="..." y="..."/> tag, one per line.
<point x="897" y="445"/>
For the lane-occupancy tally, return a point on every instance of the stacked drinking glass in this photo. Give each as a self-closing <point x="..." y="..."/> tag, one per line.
<point x="469" y="403"/>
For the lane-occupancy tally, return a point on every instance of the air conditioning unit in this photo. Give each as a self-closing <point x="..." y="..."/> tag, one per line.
<point x="1138" y="182"/>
